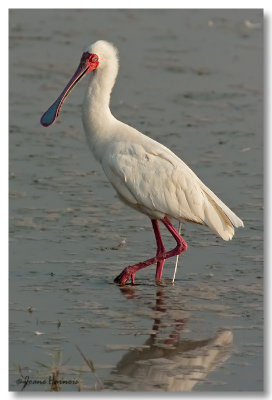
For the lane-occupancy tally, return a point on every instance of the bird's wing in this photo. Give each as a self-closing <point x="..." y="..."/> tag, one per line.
<point x="149" y="177"/>
<point x="152" y="180"/>
<point x="208" y="193"/>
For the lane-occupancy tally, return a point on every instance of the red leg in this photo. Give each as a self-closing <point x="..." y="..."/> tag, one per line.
<point x="180" y="248"/>
<point x="160" y="250"/>
<point x="129" y="272"/>
<point x="181" y="244"/>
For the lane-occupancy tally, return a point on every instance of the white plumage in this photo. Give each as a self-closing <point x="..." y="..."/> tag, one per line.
<point x="146" y="175"/>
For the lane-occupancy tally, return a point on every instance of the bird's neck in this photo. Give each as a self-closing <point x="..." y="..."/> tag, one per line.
<point x="97" y="99"/>
<point x="97" y="117"/>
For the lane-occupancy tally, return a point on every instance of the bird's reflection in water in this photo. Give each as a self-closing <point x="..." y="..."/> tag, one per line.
<point x="169" y="364"/>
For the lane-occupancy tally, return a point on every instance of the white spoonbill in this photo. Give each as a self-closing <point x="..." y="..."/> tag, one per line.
<point x="146" y="175"/>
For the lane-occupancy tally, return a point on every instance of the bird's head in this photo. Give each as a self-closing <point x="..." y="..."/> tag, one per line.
<point x="95" y="56"/>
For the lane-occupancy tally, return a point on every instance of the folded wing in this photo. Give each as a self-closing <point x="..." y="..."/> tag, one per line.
<point x="152" y="179"/>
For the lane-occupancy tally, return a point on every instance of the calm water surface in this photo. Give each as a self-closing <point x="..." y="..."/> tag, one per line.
<point x="193" y="81"/>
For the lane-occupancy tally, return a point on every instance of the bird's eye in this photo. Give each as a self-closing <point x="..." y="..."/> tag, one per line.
<point x="94" y="59"/>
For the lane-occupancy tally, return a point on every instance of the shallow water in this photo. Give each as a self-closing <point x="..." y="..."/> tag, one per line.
<point x="192" y="80"/>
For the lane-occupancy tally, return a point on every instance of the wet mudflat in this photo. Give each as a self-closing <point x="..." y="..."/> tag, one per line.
<point x="193" y="81"/>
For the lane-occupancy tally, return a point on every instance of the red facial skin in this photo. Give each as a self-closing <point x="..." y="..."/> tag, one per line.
<point x="89" y="60"/>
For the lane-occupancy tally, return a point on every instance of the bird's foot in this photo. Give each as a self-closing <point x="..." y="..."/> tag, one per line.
<point x="127" y="273"/>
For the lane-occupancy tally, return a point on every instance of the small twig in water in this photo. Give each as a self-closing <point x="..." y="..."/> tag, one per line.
<point x="176" y="265"/>
<point x="92" y="368"/>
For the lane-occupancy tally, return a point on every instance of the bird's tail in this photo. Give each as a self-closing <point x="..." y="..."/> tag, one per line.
<point x="219" y="217"/>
